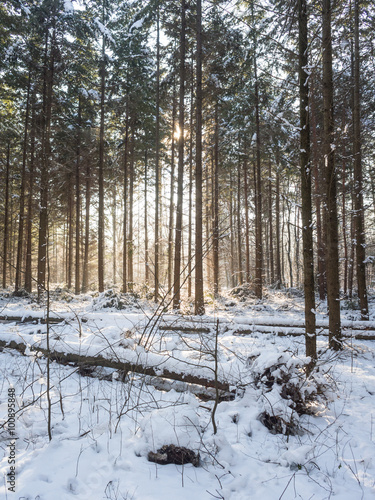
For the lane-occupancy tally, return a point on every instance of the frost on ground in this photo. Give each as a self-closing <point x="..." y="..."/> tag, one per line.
<point x="284" y="436"/>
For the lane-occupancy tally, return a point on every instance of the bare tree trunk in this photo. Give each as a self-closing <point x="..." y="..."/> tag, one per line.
<point x="171" y="200"/>
<point x="125" y="228"/>
<point x="20" y="242"/>
<point x="28" y="267"/>
<point x="157" y="166"/>
<point x="147" y="264"/>
<point x="69" y="252"/>
<point x="215" y="233"/>
<point x="318" y="210"/>
<point x="45" y="153"/>
<point x="358" y="182"/>
<point x="305" y="165"/>
<point x="344" y="228"/>
<point x="278" y="256"/>
<point x="78" y="200"/>
<point x="352" y="254"/>
<point x="232" y="241"/>
<point x="85" y="272"/>
<point x="131" y="208"/>
<point x="101" y="221"/>
<point x="114" y="232"/>
<point x="333" y="283"/>
<point x="239" y="230"/>
<point x="247" y="225"/>
<point x="258" y="184"/>
<point x="190" y="216"/>
<point x="199" y="297"/>
<point x="6" y="218"/>
<point x="180" y="179"/>
<point x="271" y="260"/>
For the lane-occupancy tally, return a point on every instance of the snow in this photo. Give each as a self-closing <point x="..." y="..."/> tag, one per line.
<point x="104" y="31"/>
<point x="136" y="25"/>
<point x="68" y="6"/>
<point x="103" y="429"/>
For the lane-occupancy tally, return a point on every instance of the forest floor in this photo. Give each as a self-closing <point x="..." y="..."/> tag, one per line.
<point x="281" y="434"/>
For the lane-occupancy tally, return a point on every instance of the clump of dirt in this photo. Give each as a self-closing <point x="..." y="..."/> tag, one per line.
<point x="278" y="425"/>
<point x="171" y="454"/>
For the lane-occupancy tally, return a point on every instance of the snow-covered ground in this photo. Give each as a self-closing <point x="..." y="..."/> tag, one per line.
<point x="319" y="446"/>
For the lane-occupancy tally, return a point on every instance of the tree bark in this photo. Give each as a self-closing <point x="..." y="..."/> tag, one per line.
<point x="305" y="165"/>
<point x="6" y="218"/>
<point x="247" y="225"/>
<point x="157" y="166"/>
<point x="215" y="232"/>
<point x="332" y="267"/>
<point x="277" y="208"/>
<point x="85" y="271"/>
<point x="101" y="170"/>
<point x="180" y="179"/>
<point x="271" y="259"/>
<point x="199" y="297"/>
<point x="131" y="208"/>
<point x="45" y="159"/>
<point x="125" y="226"/>
<point x="28" y="266"/>
<point x="239" y="229"/>
<point x="20" y="242"/>
<point x="358" y="182"/>
<point x="147" y="264"/>
<point x="78" y="200"/>
<point x="171" y="200"/>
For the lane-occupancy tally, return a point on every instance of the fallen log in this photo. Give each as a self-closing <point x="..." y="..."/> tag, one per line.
<point x="298" y="332"/>
<point x="122" y="366"/>
<point x="30" y="319"/>
<point x="184" y="329"/>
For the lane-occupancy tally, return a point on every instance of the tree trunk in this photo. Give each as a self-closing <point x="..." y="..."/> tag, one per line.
<point x="78" y="201"/>
<point x="332" y="267"/>
<point x="199" y="297"/>
<point x="69" y="265"/>
<point x="45" y="159"/>
<point x="157" y="167"/>
<point x="114" y="232"/>
<point x="180" y="179"/>
<point x="231" y="221"/>
<point x="125" y="228"/>
<point x="20" y="242"/>
<point x="131" y="209"/>
<point x="28" y="266"/>
<point x="190" y="217"/>
<point x="344" y="228"/>
<point x="258" y="182"/>
<point x="101" y="222"/>
<point x="278" y="256"/>
<point x="215" y="233"/>
<point x="272" y="266"/>
<point x="247" y="225"/>
<point x="6" y="218"/>
<point x="171" y="200"/>
<point x="318" y="210"/>
<point x="239" y="229"/>
<point x="147" y="269"/>
<point x="85" y="271"/>
<point x="358" y="183"/>
<point x="305" y="165"/>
